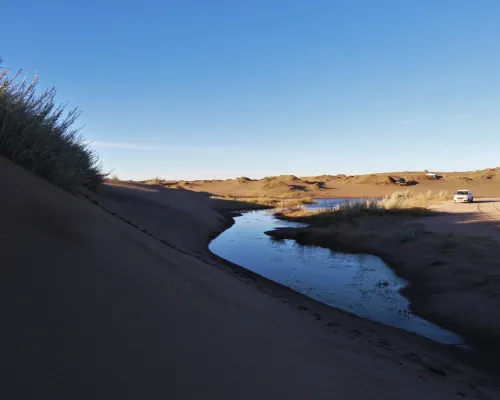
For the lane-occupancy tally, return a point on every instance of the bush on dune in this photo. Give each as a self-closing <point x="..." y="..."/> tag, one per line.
<point x="154" y="181"/>
<point x="38" y="135"/>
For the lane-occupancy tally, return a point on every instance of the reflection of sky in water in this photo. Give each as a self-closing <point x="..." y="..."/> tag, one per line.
<point x="359" y="283"/>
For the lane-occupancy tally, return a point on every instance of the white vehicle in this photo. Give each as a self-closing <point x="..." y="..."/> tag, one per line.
<point x="463" y="196"/>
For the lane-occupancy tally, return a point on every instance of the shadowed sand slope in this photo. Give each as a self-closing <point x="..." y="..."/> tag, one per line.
<point x="96" y="309"/>
<point x="183" y="218"/>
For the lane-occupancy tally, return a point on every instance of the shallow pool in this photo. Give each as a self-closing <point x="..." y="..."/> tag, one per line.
<point x="359" y="283"/>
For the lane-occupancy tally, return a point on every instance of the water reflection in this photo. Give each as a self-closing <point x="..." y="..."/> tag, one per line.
<point x="359" y="283"/>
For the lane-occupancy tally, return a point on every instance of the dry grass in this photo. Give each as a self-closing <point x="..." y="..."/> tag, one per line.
<point x="154" y="181"/>
<point x="38" y="135"/>
<point x="269" y="202"/>
<point x="403" y="202"/>
<point x="282" y="178"/>
<point x="304" y="199"/>
<point x="372" y="178"/>
<point x="406" y="199"/>
<point x="243" y="179"/>
<point x="276" y="185"/>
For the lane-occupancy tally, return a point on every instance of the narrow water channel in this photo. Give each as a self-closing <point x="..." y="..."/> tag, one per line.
<point x="359" y="283"/>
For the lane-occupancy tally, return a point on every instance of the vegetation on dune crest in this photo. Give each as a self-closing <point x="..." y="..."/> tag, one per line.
<point x="276" y="185"/>
<point x="38" y="135"/>
<point x="154" y="181"/>
<point x="243" y="179"/>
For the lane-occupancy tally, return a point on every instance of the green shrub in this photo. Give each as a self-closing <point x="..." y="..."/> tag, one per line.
<point x="38" y="135"/>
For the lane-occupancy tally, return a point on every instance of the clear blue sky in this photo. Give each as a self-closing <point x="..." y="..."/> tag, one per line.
<point x="203" y="89"/>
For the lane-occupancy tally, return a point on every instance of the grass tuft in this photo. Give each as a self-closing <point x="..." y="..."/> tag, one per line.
<point x="406" y="199"/>
<point x="38" y="135"/>
<point x="398" y="203"/>
<point x="270" y="202"/>
<point x="154" y="181"/>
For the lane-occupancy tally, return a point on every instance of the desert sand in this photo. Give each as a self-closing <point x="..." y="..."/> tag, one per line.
<point x="484" y="183"/>
<point x="115" y="295"/>
<point x="481" y="218"/>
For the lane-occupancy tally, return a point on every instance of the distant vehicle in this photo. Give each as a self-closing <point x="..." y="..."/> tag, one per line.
<point x="431" y="175"/>
<point x="463" y="196"/>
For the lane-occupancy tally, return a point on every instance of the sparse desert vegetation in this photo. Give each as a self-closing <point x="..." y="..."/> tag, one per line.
<point x="484" y="183"/>
<point x="40" y="136"/>
<point x="266" y="202"/>
<point x="402" y="202"/>
<point x="154" y="181"/>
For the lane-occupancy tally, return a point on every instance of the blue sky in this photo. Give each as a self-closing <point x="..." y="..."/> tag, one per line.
<point x="214" y="89"/>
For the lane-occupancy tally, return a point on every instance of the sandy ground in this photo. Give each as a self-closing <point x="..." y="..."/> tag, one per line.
<point x="301" y="187"/>
<point x="481" y="218"/>
<point x="120" y="299"/>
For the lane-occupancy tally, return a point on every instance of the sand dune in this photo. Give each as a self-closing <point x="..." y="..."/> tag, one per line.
<point x="120" y="299"/>
<point x="485" y="183"/>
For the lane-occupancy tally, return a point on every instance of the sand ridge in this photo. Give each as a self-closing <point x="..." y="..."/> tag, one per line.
<point x="484" y="183"/>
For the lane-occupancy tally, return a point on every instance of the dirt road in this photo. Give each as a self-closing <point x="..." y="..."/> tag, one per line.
<point x="481" y="218"/>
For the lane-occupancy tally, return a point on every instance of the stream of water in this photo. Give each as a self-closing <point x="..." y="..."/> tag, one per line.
<point x="359" y="283"/>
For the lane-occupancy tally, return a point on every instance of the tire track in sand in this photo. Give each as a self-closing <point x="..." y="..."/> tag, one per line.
<point x="481" y="218"/>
